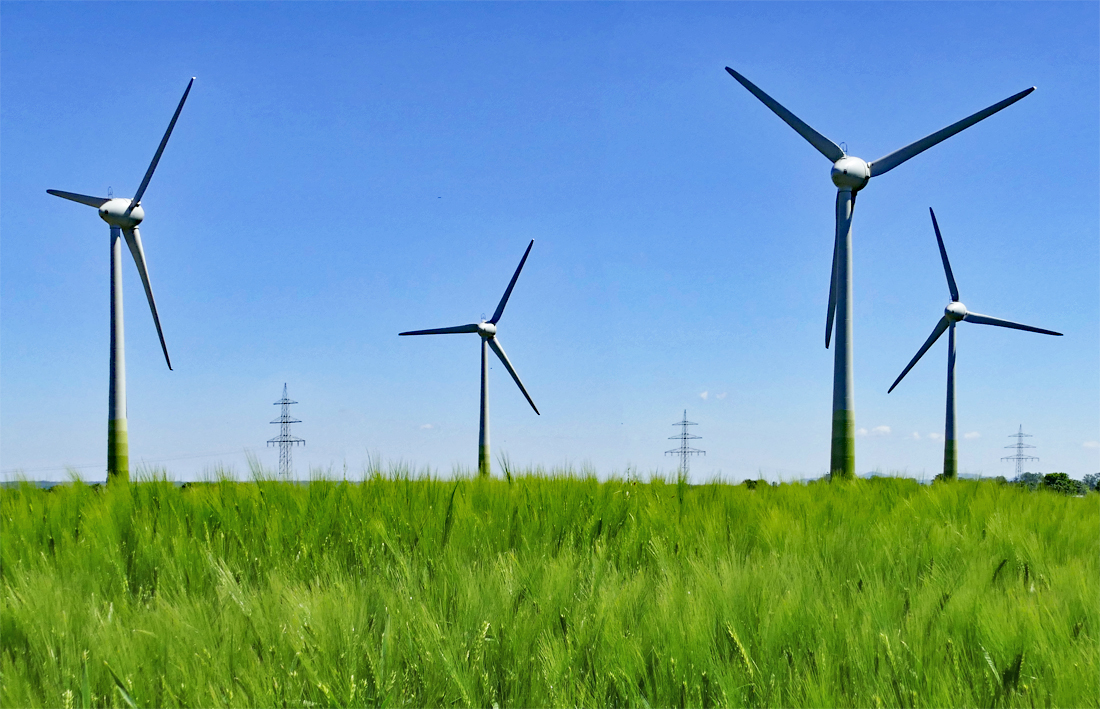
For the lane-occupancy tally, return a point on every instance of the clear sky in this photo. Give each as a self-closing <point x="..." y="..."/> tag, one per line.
<point x="343" y="172"/>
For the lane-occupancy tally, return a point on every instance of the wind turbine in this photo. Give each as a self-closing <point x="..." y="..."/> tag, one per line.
<point x="124" y="215"/>
<point x="952" y="314"/>
<point x="488" y="331"/>
<point x="850" y="175"/>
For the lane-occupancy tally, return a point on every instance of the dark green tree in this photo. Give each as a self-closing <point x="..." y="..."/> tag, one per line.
<point x="1029" y="480"/>
<point x="1060" y="482"/>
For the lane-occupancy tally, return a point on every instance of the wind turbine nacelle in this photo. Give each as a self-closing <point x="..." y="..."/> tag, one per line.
<point x="486" y="329"/>
<point x="114" y="212"/>
<point x="955" y="312"/>
<point x="850" y="173"/>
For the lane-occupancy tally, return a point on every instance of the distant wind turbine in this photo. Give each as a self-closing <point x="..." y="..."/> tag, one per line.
<point x="488" y="332"/>
<point x="953" y="313"/>
<point x="124" y="215"/>
<point x="850" y="175"/>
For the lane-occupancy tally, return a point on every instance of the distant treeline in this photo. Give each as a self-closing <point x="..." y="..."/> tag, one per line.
<point x="1058" y="482"/>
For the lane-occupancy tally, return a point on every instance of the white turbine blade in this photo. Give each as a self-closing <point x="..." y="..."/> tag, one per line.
<point x="824" y="146"/>
<point x="941" y="326"/>
<point x="841" y="223"/>
<point x="160" y="148"/>
<point x="96" y="202"/>
<point x="511" y="285"/>
<point x="986" y="320"/>
<point x="832" y="295"/>
<point x="511" y="370"/>
<point x="443" y="330"/>
<point x="133" y="240"/>
<point x="889" y="162"/>
<point x="943" y="255"/>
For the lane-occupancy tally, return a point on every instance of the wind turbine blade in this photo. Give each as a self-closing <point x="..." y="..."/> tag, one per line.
<point x="511" y="370"/>
<point x="832" y="301"/>
<point x="443" y="330"/>
<point x="96" y="202"/>
<point x="160" y="148"/>
<point x="943" y="255"/>
<point x="941" y="326"/>
<point x="824" y="146"/>
<point x="843" y="220"/>
<point x="986" y="320"/>
<point x="133" y="240"/>
<point x="511" y="285"/>
<point x="889" y="162"/>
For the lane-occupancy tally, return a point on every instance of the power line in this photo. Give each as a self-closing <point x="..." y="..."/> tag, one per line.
<point x="1019" y="445"/>
<point x="285" y="440"/>
<point x="684" y="452"/>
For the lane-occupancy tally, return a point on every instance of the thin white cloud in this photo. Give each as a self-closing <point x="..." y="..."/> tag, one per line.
<point x="861" y="431"/>
<point x="704" y="396"/>
<point x="1091" y="444"/>
<point x="936" y="436"/>
<point x="880" y="431"/>
<point x="972" y="435"/>
<point x="426" y="426"/>
<point x="915" y="436"/>
<point x="720" y="396"/>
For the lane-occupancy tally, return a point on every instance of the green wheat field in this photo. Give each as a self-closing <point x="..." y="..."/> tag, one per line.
<point x="548" y="589"/>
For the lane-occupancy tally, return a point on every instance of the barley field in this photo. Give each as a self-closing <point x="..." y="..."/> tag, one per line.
<point x="548" y="589"/>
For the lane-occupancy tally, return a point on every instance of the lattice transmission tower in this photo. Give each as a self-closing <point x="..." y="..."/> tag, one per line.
<point x="684" y="451"/>
<point x="1019" y="445"/>
<point x="285" y="440"/>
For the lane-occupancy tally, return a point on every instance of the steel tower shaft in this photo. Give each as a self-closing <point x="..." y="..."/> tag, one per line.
<point x="118" y="444"/>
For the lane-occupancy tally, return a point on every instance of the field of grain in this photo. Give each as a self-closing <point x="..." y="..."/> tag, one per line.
<point x="548" y="590"/>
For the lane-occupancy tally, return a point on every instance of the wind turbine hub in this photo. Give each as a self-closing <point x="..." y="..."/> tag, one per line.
<point x="114" y="212"/>
<point x="486" y="329"/>
<point x="850" y="173"/>
<point x="955" y="312"/>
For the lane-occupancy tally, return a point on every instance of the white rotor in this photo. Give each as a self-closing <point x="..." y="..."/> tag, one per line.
<point x="117" y="212"/>
<point x="955" y="312"/>
<point x="850" y="173"/>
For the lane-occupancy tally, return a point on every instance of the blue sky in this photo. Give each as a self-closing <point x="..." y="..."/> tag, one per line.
<point x="344" y="172"/>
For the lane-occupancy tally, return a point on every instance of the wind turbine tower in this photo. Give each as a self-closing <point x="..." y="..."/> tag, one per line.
<point x="1019" y="445"/>
<point x="850" y="175"/>
<point x="123" y="216"/>
<point x="285" y="439"/>
<point x="487" y="329"/>
<point x="684" y="452"/>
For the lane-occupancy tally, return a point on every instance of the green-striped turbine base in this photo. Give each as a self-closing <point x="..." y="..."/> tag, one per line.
<point x="483" y="460"/>
<point x="950" y="459"/>
<point x="118" y="451"/>
<point x="843" y="459"/>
